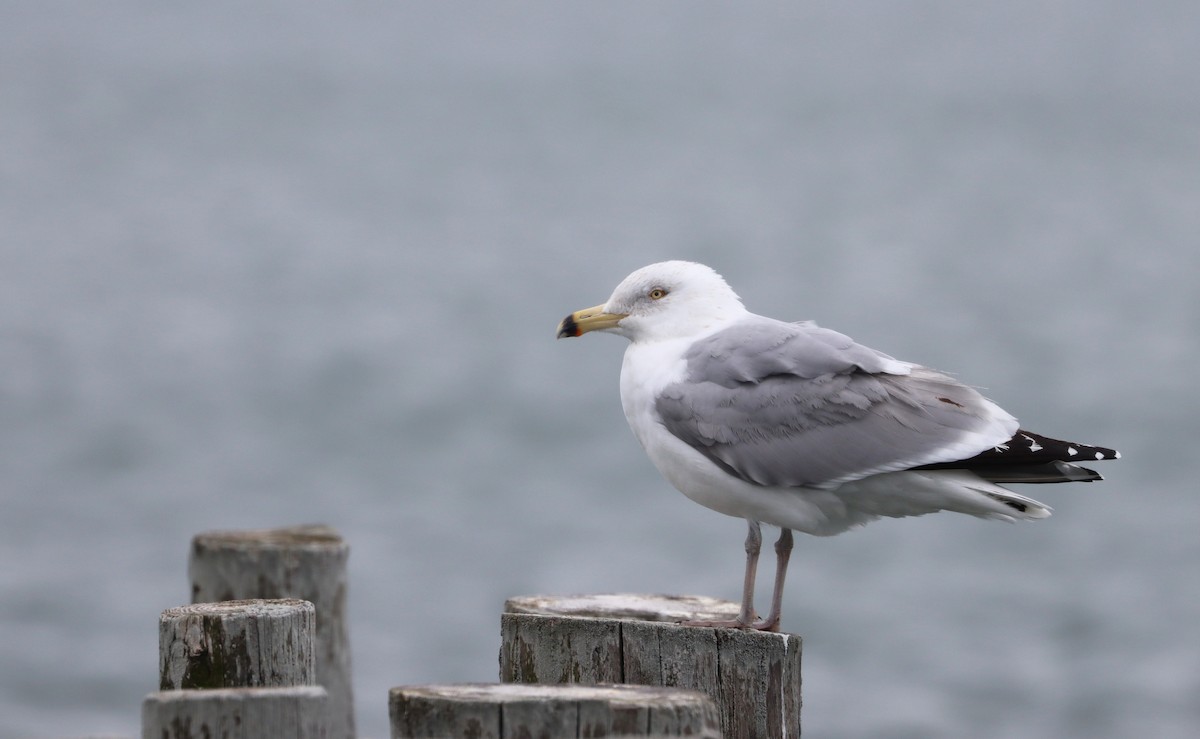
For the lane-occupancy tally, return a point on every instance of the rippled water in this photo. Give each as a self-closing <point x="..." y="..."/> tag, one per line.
<point x="269" y="265"/>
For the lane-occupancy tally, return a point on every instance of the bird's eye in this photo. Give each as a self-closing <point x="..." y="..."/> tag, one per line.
<point x="657" y="293"/>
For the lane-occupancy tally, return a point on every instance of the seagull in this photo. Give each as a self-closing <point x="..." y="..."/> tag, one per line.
<point x="800" y="427"/>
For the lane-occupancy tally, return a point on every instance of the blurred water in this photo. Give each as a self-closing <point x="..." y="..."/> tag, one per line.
<point x="276" y="264"/>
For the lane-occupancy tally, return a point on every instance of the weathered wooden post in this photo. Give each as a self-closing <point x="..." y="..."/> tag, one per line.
<point x="234" y="669"/>
<point x="236" y="713"/>
<point x="559" y="711"/>
<point x="237" y="643"/>
<point x="752" y="676"/>
<point x="306" y="562"/>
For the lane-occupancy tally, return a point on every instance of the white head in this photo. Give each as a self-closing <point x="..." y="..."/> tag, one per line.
<point x="666" y="300"/>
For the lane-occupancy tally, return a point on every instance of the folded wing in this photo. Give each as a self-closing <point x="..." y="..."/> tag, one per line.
<point x="781" y="404"/>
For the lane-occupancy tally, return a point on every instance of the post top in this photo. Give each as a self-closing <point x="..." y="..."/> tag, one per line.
<point x="316" y="536"/>
<point x="627" y="606"/>
<point x="525" y="692"/>
<point x="259" y="607"/>
<point x="238" y="695"/>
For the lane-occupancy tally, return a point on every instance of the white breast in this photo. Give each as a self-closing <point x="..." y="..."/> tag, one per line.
<point x="650" y="367"/>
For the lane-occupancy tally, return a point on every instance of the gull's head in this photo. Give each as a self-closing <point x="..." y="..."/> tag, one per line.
<point x="666" y="300"/>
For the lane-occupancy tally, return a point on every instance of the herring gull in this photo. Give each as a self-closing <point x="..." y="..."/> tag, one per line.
<point x="800" y="427"/>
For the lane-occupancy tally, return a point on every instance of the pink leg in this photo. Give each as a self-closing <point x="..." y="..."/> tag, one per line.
<point x="783" y="551"/>
<point x="746" y="615"/>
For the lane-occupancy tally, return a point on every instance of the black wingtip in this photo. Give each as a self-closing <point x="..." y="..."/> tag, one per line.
<point x="1030" y="457"/>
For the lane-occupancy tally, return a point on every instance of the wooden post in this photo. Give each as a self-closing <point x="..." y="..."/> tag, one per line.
<point x="306" y="562"/>
<point x="237" y="643"/>
<point x="752" y="676"/>
<point x="560" y="711"/>
<point x="236" y="713"/>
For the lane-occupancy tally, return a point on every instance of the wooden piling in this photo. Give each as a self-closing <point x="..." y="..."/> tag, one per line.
<point x="236" y="713"/>
<point x="305" y="562"/>
<point x="752" y="676"/>
<point x="238" y="643"/>
<point x="560" y="711"/>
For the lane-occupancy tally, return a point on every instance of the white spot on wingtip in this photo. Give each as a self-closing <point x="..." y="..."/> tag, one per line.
<point x="1072" y="451"/>
<point x="1099" y="455"/>
<point x="1116" y="455"/>
<point x="1033" y="445"/>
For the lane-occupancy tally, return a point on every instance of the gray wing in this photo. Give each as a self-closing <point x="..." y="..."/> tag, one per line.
<point x="781" y="404"/>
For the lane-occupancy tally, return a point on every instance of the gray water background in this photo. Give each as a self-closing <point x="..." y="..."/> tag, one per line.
<point x="266" y="264"/>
